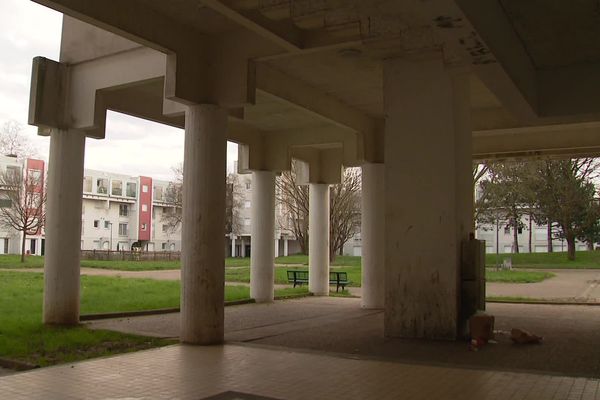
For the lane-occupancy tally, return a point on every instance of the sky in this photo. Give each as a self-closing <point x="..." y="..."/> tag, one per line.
<point x="132" y="146"/>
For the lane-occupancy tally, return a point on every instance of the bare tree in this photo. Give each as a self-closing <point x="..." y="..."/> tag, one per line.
<point x="233" y="204"/>
<point x="22" y="203"/>
<point x="174" y="196"/>
<point x="14" y="142"/>
<point x="294" y="201"/>
<point x="344" y="211"/>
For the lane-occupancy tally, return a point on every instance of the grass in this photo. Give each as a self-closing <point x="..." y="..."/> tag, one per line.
<point x="519" y="299"/>
<point x="24" y="338"/>
<point x="515" y="276"/>
<point x="583" y="260"/>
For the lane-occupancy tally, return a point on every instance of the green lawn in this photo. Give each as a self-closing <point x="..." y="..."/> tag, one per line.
<point x="516" y="276"/>
<point x="23" y="337"/>
<point x="583" y="260"/>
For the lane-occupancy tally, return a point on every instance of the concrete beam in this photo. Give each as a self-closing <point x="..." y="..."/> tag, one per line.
<point x="567" y="140"/>
<point x="276" y="83"/>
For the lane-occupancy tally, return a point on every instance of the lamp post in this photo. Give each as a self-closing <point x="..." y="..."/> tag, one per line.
<point x="111" y="229"/>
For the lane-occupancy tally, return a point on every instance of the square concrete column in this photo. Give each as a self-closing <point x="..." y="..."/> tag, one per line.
<point x="285" y="247"/>
<point x="232" y="246"/>
<point x="203" y="238"/>
<point x="276" y="248"/>
<point x="318" y="239"/>
<point x="262" y="246"/>
<point x="372" y="236"/>
<point x="427" y="151"/>
<point x="63" y="227"/>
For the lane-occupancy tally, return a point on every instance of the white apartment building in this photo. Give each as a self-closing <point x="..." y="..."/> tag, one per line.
<point x="120" y="212"/>
<point x="10" y="239"/>
<point x="239" y="242"/>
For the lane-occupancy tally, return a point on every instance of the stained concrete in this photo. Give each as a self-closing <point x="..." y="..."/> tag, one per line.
<point x="339" y="325"/>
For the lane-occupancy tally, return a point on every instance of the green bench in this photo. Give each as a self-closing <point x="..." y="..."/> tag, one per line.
<point x="300" y="277"/>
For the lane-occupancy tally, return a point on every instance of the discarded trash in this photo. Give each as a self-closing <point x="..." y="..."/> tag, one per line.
<point x="481" y="326"/>
<point x="481" y="330"/>
<point x="520" y="336"/>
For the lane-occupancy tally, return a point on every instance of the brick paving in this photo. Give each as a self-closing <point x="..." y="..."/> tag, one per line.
<point x="339" y="325"/>
<point x="186" y="372"/>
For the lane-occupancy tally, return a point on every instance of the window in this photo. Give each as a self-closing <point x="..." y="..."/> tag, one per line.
<point x="87" y="184"/>
<point x="165" y="228"/>
<point x="247" y="221"/>
<point x="247" y="204"/>
<point x="123" y="210"/>
<point x="117" y="188"/>
<point x="144" y="227"/>
<point x="248" y="185"/>
<point x="35" y="175"/>
<point x="96" y="223"/>
<point x="107" y="224"/>
<point x="144" y="207"/>
<point x="164" y="245"/>
<point x="102" y="186"/>
<point x="520" y="230"/>
<point x="131" y="189"/>
<point x="13" y="171"/>
<point x="5" y="201"/>
<point x="507" y="230"/>
<point x="145" y="188"/>
<point x="158" y="193"/>
<point x="123" y="229"/>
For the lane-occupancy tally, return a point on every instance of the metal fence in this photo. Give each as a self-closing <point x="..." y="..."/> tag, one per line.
<point x="123" y="255"/>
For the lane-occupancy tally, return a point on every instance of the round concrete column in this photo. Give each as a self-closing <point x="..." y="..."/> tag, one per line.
<point x="318" y="239"/>
<point x="203" y="235"/>
<point x="372" y="231"/>
<point x="63" y="227"/>
<point x="262" y="253"/>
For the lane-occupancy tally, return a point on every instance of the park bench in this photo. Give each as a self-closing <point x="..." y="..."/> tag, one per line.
<point x="339" y="279"/>
<point x="297" y="277"/>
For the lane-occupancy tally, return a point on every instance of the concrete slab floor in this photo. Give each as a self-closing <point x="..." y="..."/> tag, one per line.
<point x="340" y="326"/>
<point x="188" y="372"/>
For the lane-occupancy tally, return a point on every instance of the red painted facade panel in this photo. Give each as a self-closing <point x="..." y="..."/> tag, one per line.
<point x="145" y="203"/>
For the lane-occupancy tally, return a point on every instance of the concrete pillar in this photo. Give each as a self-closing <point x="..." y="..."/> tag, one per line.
<point x="63" y="227"/>
<point x="318" y="239"/>
<point x="243" y="247"/>
<point x="427" y="145"/>
<point x="276" y="248"/>
<point x="285" y="247"/>
<point x="203" y="263"/>
<point x="232" y="246"/>
<point x="372" y="235"/>
<point x="262" y="263"/>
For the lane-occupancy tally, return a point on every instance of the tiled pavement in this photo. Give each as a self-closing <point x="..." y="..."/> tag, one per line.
<point x="186" y="372"/>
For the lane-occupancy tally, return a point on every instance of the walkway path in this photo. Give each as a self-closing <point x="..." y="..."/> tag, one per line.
<point x="568" y="285"/>
<point x="581" y="285"/>
<point x="339" y="325"/>
<point x="197" y="372"/>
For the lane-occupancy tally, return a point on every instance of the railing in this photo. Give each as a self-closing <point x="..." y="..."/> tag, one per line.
<point x="127" y="255"/>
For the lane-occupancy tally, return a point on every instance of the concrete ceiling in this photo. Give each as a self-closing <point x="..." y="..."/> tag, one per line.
<point x="557" y="33"/>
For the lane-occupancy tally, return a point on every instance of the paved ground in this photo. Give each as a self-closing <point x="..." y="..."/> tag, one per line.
<point x="187" y="372"/>
<point x="568" y="285"/>
<point x="338" y="325"/>
<point x="5" y="372"/>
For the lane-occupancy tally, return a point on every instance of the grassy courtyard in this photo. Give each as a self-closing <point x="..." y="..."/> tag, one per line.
<point x="24" y="338"/>
<point x="583" y="260"/>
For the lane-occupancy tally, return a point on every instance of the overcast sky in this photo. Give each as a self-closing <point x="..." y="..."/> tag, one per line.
<point x="132" y="146"/>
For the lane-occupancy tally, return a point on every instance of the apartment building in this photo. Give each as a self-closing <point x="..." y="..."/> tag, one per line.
<point x="10" y="239"/>
<point x="238" y="243"/>
<point x="122" y="212"/>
